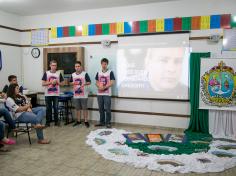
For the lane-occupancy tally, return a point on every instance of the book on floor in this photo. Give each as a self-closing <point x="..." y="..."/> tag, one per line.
<point x="134" y="138"/>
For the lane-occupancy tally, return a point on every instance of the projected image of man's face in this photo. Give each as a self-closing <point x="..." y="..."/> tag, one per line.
<point x="164" y="66"/>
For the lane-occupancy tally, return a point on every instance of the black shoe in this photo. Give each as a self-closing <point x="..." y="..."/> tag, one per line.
<point x="99" y="125"/>
<point x="109" y="125"/>
<point x="86" y="124"/>
<point x="47" y="124"/>
<point x="57" y="124"/>
<point x="76" y="123"/>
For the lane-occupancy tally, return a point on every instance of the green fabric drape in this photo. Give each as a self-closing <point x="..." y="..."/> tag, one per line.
<point x="198" y="118"/>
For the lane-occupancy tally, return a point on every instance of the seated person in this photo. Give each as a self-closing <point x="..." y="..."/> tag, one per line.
<point x="7" y="117"/>
<point x="23" y="112"/>
<point x="12" y="80"/>
<point x="3" y="139"/>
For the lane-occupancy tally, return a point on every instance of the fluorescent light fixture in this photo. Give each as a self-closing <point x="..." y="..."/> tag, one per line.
<point x="225" y="41"/>
<point x="234" y="18"/>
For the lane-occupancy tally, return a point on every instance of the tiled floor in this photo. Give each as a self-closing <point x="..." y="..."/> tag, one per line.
<point x="68" y="155"/>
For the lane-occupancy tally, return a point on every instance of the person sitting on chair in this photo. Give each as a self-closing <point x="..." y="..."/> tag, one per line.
<point x="3" y="139"/>
<point x="7" y="117"/>
<point x="24" y="112"/>
<point x="12" y="80"/>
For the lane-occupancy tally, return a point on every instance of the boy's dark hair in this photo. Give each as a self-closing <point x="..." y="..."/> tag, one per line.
<point x="11" y="77"/>
<point x="11" y="91"/>
<point x="78" y="62"/>
<point x="105" y="60"/>
<point x="53" y="61"/>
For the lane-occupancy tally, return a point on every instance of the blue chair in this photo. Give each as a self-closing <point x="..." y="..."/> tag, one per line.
<point x="69" y="93"/>
<point x="65" y="107"/>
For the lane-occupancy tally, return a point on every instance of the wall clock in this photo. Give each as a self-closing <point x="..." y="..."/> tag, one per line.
<point x="35" y="52"/>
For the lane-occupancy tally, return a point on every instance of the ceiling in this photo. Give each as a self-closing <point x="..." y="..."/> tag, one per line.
<point x="36" y="7"/>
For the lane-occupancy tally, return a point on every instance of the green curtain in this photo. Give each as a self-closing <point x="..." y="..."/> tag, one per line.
<point x="198" y="118"/>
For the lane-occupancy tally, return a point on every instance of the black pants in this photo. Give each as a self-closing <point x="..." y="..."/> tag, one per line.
<point x="51" y="101"/>
<point x="104" y="104"/>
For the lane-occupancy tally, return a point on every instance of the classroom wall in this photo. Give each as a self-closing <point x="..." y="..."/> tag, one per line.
<point x="11" y="56"/>
<point x="137" y="12"/>
<point x="33" y="68"/>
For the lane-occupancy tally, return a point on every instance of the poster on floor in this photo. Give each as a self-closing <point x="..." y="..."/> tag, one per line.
<point x="218" y="84"/>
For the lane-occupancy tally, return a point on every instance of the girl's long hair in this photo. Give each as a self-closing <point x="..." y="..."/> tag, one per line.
<point x="11" y="91"/>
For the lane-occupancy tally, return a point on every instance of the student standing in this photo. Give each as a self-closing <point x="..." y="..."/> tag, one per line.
<point x="104" y="81"/>
<point x="52" y="80"/>
<point x="80" y="81"/>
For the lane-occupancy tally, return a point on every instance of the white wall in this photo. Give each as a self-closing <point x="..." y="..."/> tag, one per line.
<point x="10" y="20"/>
<point x="33" y="67"/>
<point x="138" y="12"/>
<point x="11" y="56"/>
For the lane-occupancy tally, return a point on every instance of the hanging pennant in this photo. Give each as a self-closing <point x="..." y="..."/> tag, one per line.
<point x="53" y="32"/>
<point x="91" y="29"/>
<point x="160" y="25"/>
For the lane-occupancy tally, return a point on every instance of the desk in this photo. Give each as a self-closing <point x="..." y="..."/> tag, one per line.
<point x="66" y="105"/>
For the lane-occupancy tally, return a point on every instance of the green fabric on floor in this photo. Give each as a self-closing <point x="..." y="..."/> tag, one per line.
<point x="195" y="142"/>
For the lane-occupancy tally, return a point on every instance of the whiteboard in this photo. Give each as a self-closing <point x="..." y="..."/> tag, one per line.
<point x="93" y="65"/>
<point x="229" y="40"/>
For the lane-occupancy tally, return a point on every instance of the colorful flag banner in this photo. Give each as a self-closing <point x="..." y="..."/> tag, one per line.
<point x="84" y="30"/>
<point x="105" y="29"/>
<point x="156" y="25"/>
<point x="59" y="32"/>
<point x="160" y="25"/>
<point x="98" y="29"/>
<point x="135" y="27"/>
<point x="205" y="22"/>
<point x="120" y="28"/>
<point x="66" y="31"/>
<point x="78" y="30"/>
<point x="215" y="21"/>
<point x="233" y="21"/>
<point x="127" y="27"/>
<point x="113" y="28"/>
<point x="169" y="24"/>
<point x="151" y="25"/>
<point x="91" y="29"/>
<point x="177" y="24"/>
<point x="71" y="31"/>
<point x="186" y="23"/>
<point x="225" y="21"/>
<point x="196" y="20"/>
<point x="143" y="26"/>
<point x="53" y="32"/>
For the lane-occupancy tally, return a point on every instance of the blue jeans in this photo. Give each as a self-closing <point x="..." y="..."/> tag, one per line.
<point x="51" y="101"/>
<point x="104" y="104"/>
<point x="2" y="128"/>
<point x="7" y="117"/>
<point x="34" y="117"/>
